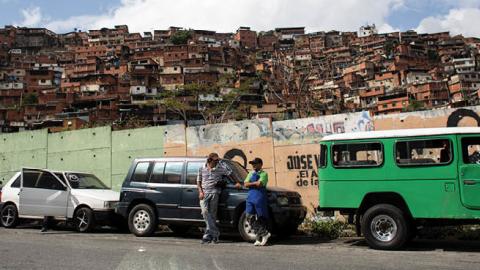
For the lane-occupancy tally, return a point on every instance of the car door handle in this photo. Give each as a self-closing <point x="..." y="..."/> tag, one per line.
<point x="189" y="190"/>
<point x="469" y="182"/>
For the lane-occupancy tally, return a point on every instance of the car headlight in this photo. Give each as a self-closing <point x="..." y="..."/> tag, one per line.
<point x="282" y="201"/>
<point x="110" y="204"/>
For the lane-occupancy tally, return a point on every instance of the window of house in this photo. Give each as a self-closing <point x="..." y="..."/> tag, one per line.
<point x="141" y="172"/>
<point x="423" y="152"/>
<point x="357" y="155"/>
<point x="192" y="172"/>
<point x="471" y="150"/>
<point x="173" y="172"/>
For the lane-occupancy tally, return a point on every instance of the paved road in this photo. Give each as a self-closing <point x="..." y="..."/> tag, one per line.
<point x="27" y="248"/>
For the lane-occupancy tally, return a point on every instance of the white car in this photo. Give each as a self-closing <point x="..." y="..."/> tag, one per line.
<point x="77" y="197"/>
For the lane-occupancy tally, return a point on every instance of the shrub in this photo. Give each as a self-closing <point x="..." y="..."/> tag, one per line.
<point x="324" y="227"/>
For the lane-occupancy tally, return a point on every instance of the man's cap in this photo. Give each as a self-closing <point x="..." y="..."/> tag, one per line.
<point x="256" y="161"/>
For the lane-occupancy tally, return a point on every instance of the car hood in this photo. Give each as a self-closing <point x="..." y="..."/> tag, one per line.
<point x="99" y="194"/>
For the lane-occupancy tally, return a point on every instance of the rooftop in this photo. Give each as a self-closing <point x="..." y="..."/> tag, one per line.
<point x="402" y="133"/>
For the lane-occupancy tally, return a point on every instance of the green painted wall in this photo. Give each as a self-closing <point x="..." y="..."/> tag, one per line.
<point x="86" y="150"/>
<point x="100" y="151"/>
<point x="24" y="149"/>
<point x="129" y="144"/>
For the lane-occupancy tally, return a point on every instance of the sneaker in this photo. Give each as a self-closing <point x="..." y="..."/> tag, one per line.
<point x="215" y="240"/>
<point x="44" y="230"/>
<point x="265" y="239"/>
<point x="206" y="240"/>
<point x="257" y="243"/>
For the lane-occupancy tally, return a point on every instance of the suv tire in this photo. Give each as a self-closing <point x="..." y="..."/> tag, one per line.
<point x="385" y="227"/>
<point x="142" y="220"/>
<point x="9" y="216"/>
<point x="245" y="229"/>
<point x="83" y="220"/>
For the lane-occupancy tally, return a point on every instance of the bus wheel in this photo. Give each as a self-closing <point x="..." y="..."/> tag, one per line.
<point x="385" y="227"/>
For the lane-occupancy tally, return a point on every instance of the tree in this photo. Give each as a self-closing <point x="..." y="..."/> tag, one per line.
<point x="30" y="99"/>
<point x="181" y="37"/>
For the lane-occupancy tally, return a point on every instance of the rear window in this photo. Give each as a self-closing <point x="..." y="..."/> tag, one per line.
<point x="16" y="183"/>
<point x="157" y="173"/>
<point x="357" y="155"/>
<point x="423" y="152"/>
<point x="141" y="172"/>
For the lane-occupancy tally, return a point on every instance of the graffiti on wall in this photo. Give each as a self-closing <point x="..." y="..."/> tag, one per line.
<point x="311" y="130"/>
<point x="457" y="116"/>
<point x="226" y="133"/>
<point x="306" y="166"/>
<point x="238" y="155"/>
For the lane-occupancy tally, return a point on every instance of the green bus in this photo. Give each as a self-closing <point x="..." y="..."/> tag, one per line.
<point x="392" y="182"/>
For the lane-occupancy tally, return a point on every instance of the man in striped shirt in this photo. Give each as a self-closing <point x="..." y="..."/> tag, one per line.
<point x="209" y="190"/>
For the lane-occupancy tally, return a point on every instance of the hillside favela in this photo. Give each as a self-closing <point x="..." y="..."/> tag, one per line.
<point x="110" y="76"/>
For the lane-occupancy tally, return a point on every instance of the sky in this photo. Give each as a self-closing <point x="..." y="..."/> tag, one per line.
<point x="61" y="16"/>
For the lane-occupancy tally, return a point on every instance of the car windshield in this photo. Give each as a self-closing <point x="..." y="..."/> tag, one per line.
<point x="85" y="181"/>
<point x="239" y="173"/>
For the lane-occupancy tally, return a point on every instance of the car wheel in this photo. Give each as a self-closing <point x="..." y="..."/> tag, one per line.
<point x="83" y="219"/>
<point x="245" y="228"/>
<point x="385" y="227"/>
<point x="9" y="216"/>
<point x="179" y="229"/>
<point x="142" y="220"/>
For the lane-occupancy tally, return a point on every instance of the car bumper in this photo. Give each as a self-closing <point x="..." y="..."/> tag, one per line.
<point x="107" y="216"/>
<point x="292" y="215"/>
<point x="122" y="209"/>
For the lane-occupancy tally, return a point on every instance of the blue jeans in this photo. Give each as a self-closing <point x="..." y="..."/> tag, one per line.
<point x="209" y="206"/>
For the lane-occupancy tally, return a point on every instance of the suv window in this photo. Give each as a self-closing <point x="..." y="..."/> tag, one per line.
<point x="30" y="178"/>
<point x="157" y="173"/>
<point x="141" y="172"/>
<point x="423" y="152"/>
<point x="173" y="172"/>
<point x="48" y="181"/>
<point x="323" y="156"/>
<point x="471" y="150"/>
<point x="357" y="155"/>
<point x="192" y="172"/>
<point x="16" y="183"/>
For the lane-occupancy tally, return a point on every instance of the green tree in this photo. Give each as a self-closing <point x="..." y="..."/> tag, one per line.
<point x="181" y="37"/>
<point x="30" y="99"/>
